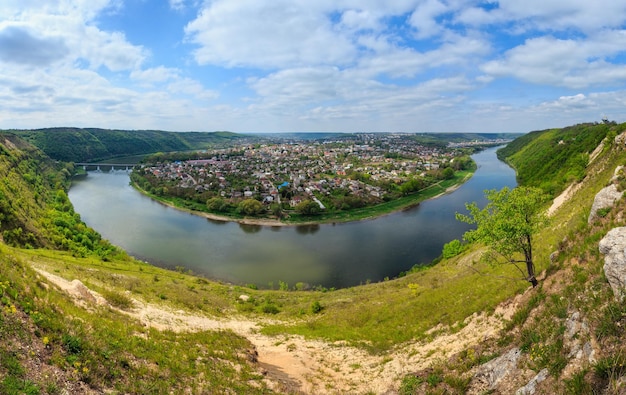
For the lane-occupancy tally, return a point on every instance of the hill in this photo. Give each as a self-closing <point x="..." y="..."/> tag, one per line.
<point x="552" y="159"/>
<point x="77" y="317"/>
<point x="91" y="144"/>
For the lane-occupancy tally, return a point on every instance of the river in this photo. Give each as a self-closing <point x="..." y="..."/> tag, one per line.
<point x="330" y="255"/>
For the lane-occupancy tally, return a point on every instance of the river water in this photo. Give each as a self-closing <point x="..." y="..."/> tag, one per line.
<point x="331" y="255"/>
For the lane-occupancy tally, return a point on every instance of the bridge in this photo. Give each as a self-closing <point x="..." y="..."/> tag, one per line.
<point x="107" y="166"/>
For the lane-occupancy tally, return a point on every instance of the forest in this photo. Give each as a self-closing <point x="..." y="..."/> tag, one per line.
<point x="552" y="159"/>
<point x="90" y="144"/>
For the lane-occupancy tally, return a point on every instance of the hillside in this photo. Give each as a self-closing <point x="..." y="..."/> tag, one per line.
<point x="77" y="317"/>
<point x="90" y="144"/>
<point x="552" y="159"/>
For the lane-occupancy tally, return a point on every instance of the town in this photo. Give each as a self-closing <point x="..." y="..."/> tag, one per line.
<point x="307" y="176"/>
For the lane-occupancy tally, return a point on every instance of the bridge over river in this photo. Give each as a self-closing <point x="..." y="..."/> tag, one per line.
<point x="107" y="166"/>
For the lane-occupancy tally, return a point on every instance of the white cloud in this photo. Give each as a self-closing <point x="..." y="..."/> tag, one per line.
<point x="567" y="103"/>
<point x="414" y="65"/>
<point x="69" y="24"/>
<point x="424" y="18"/>
<point x="155" y="75"/>
<point x="189" y="87"/>
<point x="555" y="15"/>
<point x="569" y="63"/>
<point x="19" y="45"/>
<point x="177" y="4"/>
<point x="249" y="33"/>
<point x="111" y="50"/>
<point x="565" y="14"/>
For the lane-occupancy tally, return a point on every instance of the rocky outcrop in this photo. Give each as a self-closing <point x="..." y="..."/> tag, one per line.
<point x="491" y="373"/>
<point x="606" y="197"/>
<point x="613" y="246"/>
<point x="531" y="387"/>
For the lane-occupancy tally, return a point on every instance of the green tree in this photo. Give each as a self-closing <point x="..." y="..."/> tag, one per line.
<point x="217" y="204"/>
<point x="452" y="249"/>
<point x="250" y="207"/>
<point x="307" y="207"/>
<point x="507" y="224"/>
<point x="448" y="173"/>
<point x="277" y="210"/>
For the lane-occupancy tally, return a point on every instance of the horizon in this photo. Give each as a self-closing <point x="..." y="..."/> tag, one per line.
<point x="287" y="66"/>
<point x="255" y="132"/>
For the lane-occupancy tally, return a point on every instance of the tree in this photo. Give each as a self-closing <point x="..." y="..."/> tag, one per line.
<point x="507" y="224"/>
<point x="448" y="173"/>
<point x="217" y="204"/>
<point x="250" y="207"/>
<point x="307" y="207"/>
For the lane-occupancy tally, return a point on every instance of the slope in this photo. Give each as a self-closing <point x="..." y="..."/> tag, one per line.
<point x="552" y="159"/>
<point x="91" y="144"/>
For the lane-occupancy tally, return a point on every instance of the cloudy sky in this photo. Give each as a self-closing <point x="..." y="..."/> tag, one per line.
<point x="312" y="65"/>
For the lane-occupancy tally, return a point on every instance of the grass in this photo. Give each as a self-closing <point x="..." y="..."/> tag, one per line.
<point x="103" y="349"/>
<point x="376" y="316"/>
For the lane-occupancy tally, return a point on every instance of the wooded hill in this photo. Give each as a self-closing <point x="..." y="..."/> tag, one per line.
<point x="564" y="337"/>
<point x="90" y="144"/>
<point x="552" y="159"/>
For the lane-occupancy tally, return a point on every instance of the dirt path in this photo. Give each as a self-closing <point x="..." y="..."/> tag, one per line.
<point x="563" y="197"/>
<point x="312" y="366"/>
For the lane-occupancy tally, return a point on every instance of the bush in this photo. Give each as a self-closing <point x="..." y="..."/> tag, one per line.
<point x="316" y="307"/>
<point x="118" y="300"/>
<point x="270" y="308"/>
<point x="452" y="249"/>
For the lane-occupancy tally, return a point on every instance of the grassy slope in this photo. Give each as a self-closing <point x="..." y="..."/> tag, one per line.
<point x="50" y="345"/>
<point x="552" y="159"/>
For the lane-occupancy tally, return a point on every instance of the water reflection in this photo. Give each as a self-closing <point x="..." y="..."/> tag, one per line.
<point x="310" y="229"/>
<point x="250" y="228"/>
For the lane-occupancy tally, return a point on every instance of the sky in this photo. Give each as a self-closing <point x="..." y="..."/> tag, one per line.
<point x="312" y="65"/>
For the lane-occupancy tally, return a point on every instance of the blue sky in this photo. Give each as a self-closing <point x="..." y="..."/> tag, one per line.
<point x="304" y="65"/>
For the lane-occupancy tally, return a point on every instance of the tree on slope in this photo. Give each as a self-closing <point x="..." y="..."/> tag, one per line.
<point x="507" y="225"/>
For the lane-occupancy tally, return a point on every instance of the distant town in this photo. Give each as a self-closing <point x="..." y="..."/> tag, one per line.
<point x="308" y="176"/>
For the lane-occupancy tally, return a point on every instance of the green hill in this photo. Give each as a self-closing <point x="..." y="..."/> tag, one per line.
<point x="79" y="316"/>
<point x="551" y="159"/>
<point x="90" y="144"/>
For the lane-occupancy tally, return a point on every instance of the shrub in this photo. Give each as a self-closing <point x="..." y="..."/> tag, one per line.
<point x="452" y="249"/>
<point x="316" y="307"/>
<point x="119" y="300"/>
<point x="270" y="308"/>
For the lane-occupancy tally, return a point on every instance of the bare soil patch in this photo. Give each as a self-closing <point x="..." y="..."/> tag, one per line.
<point x="312" y="366"/>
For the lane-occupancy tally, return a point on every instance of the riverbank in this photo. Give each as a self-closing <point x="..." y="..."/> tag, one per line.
<point x="406" y="202"/>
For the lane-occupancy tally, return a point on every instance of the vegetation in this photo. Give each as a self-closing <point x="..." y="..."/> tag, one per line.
<point x="508" y="225"/>
<point x="89" y="145"/>
<point x="49" y="344"/>
<point x="552" y="159"/>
